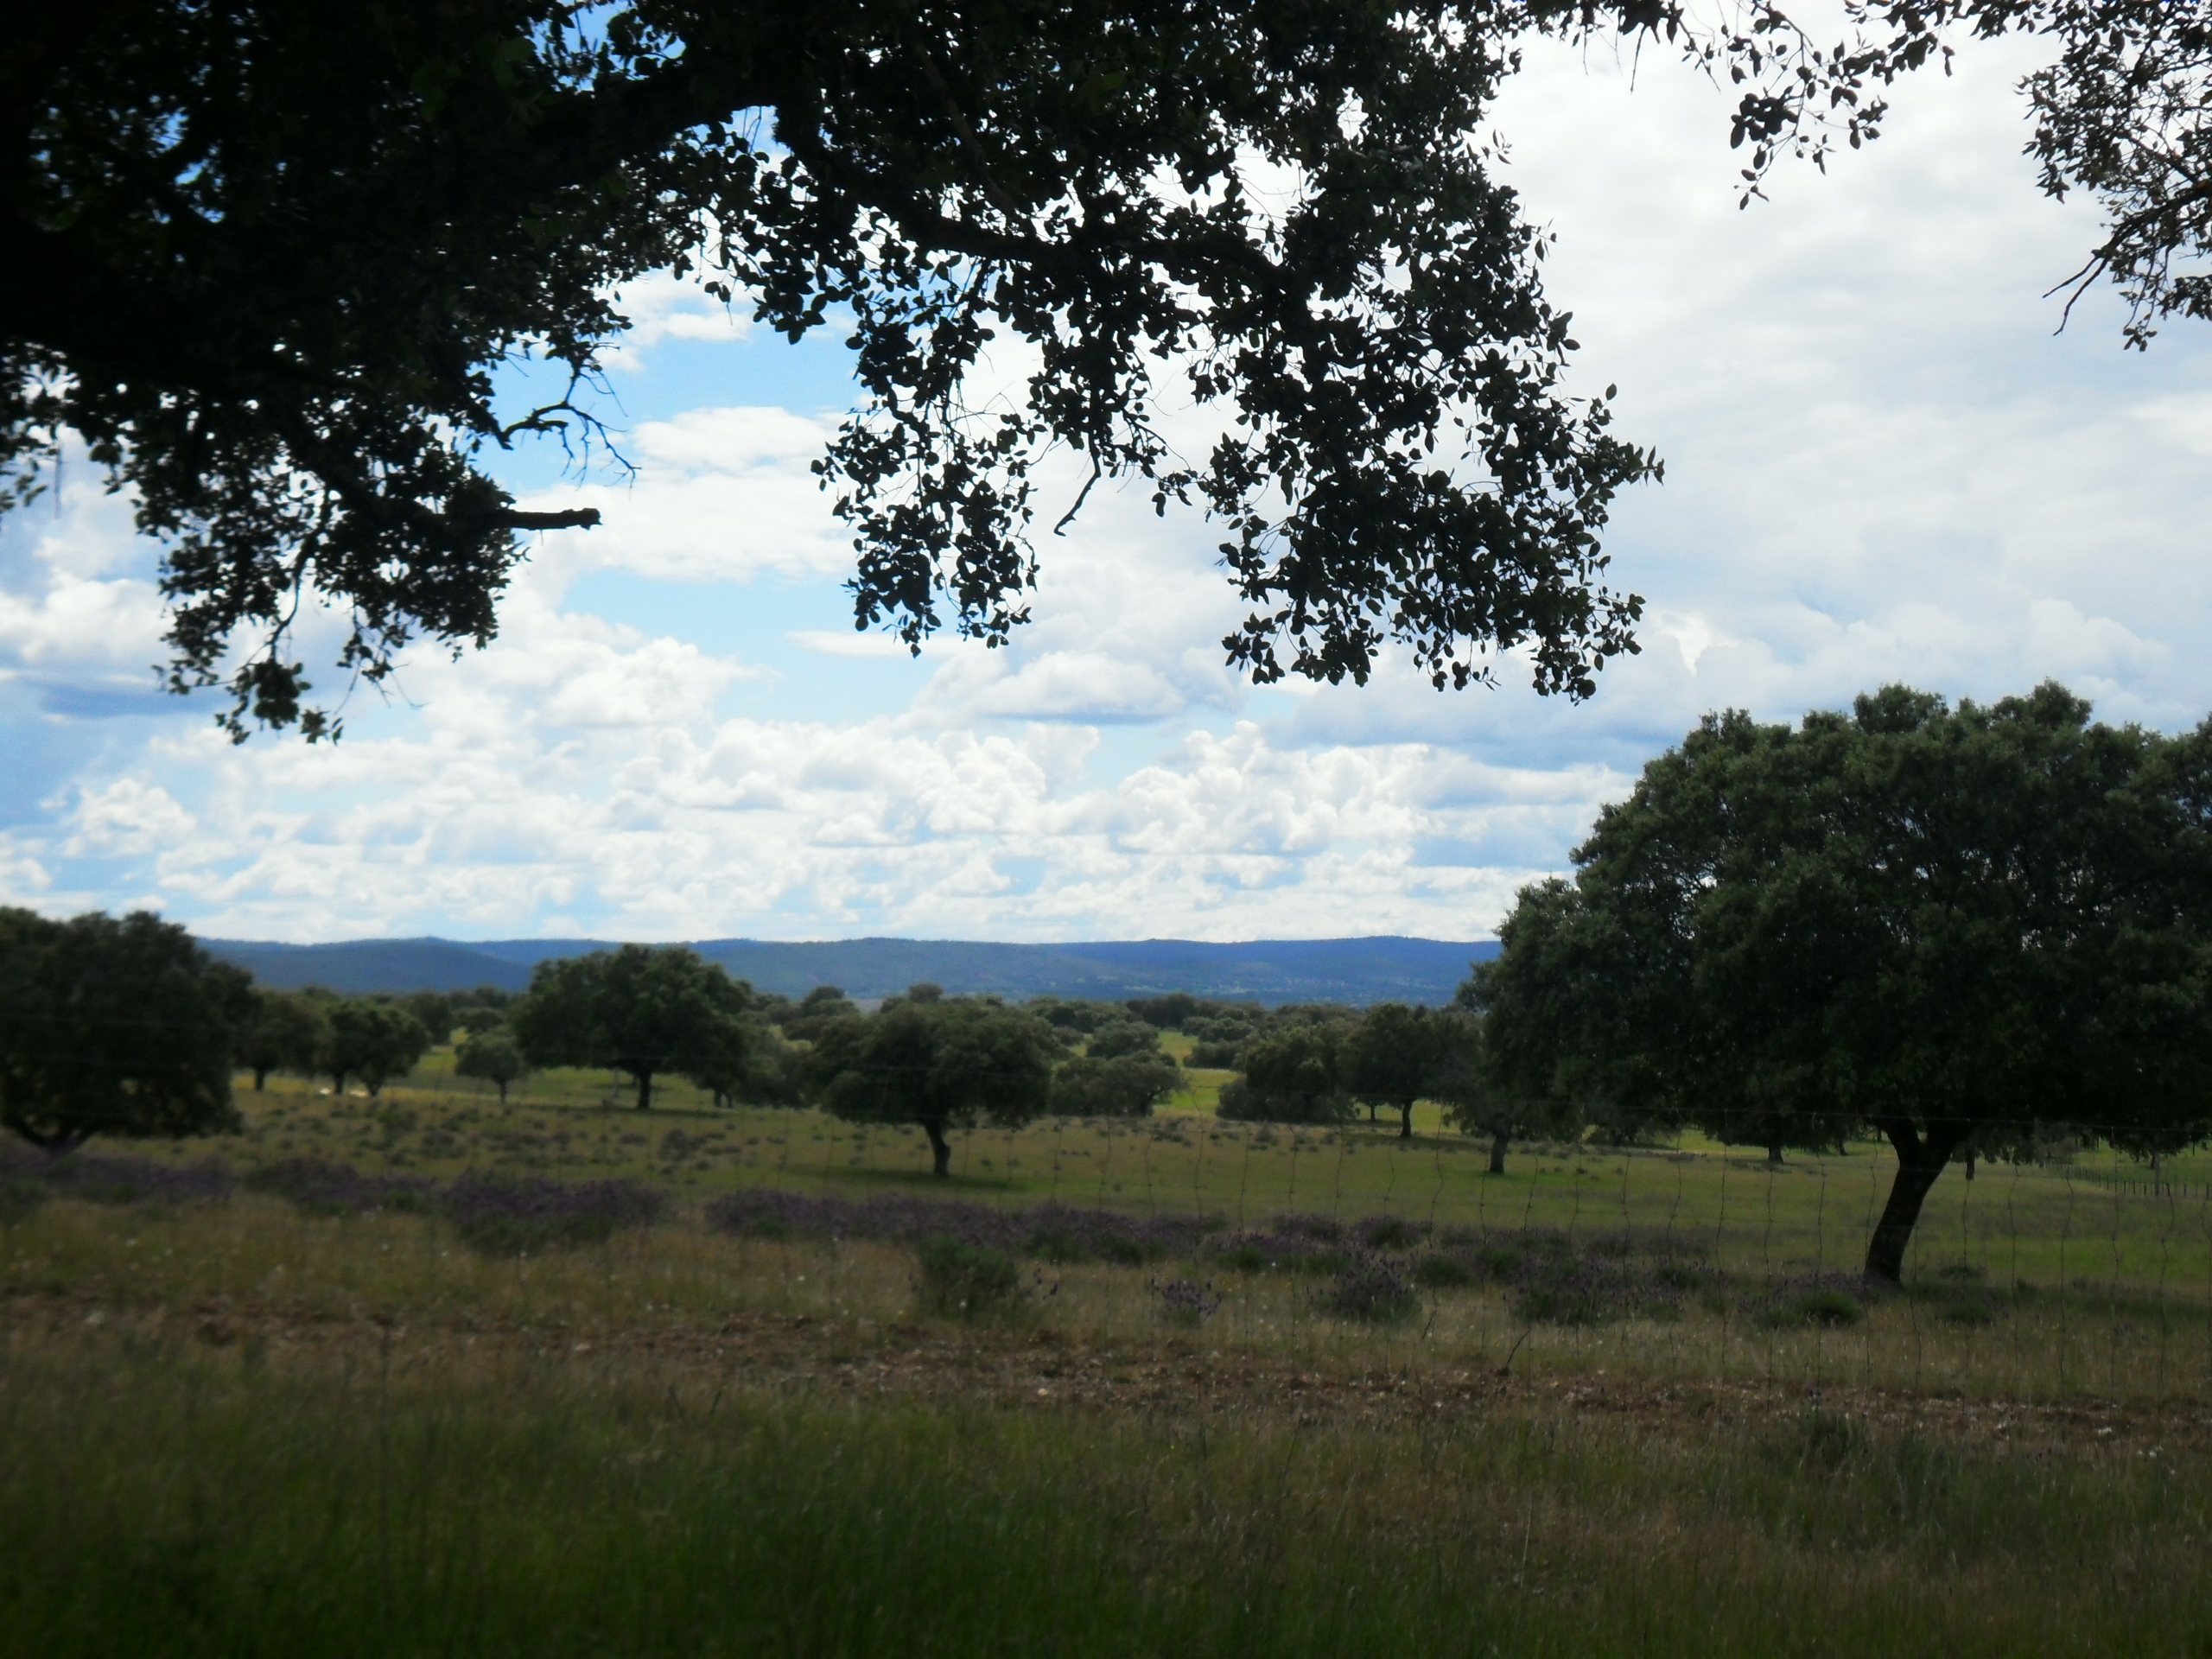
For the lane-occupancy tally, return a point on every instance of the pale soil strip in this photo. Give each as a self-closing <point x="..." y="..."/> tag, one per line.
<point x="1048" y="1368"/>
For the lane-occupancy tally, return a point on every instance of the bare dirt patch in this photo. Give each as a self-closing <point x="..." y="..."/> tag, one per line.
<point x="1045" y="1368"/>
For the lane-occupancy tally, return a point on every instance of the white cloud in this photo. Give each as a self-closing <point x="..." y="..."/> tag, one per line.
<point x="77" y="603"/>
<point x="790" y="828"/>
<point x="662" y="306"/>
<point x="126" y="817"/>
<point x="720" y="495"/>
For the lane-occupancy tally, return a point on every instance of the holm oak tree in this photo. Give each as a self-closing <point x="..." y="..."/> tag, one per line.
<point x="1936" y="924"/>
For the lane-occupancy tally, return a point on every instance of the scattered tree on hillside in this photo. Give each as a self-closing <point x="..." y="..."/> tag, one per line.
<point x="1166" y="1013"/>
<point x="1476" y="1101"/>
<point x="434" y="1012"/>
<point x="815" y="1010"/>
<point x="493" y="1055"/>
<point x="941" y="1063"/>
<point x="283" y="1030"/>
<point x="751" y="1062"/>
<point x="1120" y="1086"/>
<point x="479" y="1010"/>
<point x="1937" y="923"/>
<point x="373" y="1041"/>
<point x="1219" y="1034"/>
<point x="643" y="1009"/>
<point x="1390" y="1057"/>
<point x="1290" y="1076"/>
<point x="114" y="1028"/>
<point x="476" y="1019"/>
<point x="1115" y="1038"/>
<point x="1076" y="1017"/>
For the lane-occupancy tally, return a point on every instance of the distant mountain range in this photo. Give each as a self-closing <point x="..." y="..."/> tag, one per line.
<point x="1273" y="971"/>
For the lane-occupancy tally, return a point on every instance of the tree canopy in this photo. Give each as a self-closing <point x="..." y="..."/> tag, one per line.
<point x="643" y="1009"/>
<point x="282" y="1030"/>
<point x="751" y="1060"/>
<point x="1118" y="1085"/>
<point x="941" y="1062"/>
<point x="372" y="1040"/>
<point x="1391" y="1058"/>
<point x="114" y="1028"/>
<point x="270" y="262"/>
<point x="1473" y="1099"/>
<point x="493" y="1055"/>
<point x="1290" y="1076"/>
<point x="1939" y="923"/>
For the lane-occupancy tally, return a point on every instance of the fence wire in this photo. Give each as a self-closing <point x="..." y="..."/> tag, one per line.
<point x="2062" y="1266"/>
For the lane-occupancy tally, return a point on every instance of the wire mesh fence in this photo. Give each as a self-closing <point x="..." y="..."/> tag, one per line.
<point x="2083" y="1272"/>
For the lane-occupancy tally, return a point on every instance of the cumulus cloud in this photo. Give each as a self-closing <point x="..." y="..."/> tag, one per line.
<point x="79" y="610"/>
<point x="662" y="306"/>
<point x="793" y="829"/>
<point x="719" y="495"/>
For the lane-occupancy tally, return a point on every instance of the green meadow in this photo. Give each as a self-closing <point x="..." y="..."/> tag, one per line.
<point x="242" y="1427"/>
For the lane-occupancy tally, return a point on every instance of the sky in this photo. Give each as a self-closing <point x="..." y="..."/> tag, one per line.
<point x="1883" y="462"/>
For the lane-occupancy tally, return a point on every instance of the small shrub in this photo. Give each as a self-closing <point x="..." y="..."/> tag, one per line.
<point x="321" y="1186"/>
<point x="99" y="1178"/>
<point x="1244" y="1258"/>
<point x="1966" y="1310"/>
<point x="1552" y="1287"/>
<point x="1374" y="1288"/>
<point x="515" y="1216"/>
<point x="1828" y="1300"/>
<point x="1184" y="1302"/>
<point x="965" y="1278"/>
<point x="1823" y="1306"/>
<point x="1443" y="1273"/>
<point x="1387" y="1233"/>
<point x="1500" y="1261"/>
<point x="762" y="1213"/>
<point x="1563" y="1298"/>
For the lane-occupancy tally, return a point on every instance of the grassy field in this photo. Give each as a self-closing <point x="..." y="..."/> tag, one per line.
<point x="242" y="1427"/>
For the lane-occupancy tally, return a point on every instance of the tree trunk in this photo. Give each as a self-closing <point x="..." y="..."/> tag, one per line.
<point x="1920" y="1160"/>
<point x="337" y="1082"/>
<point x="503" y="1092"/>
<point x="1774" y="1155"/>
<point x="940" y="1149"/>
<point x="645" y="1089"/>
<point x="1406" y="1123"/>
<point x="1498" y="1143"/>
<point x="260" y="1078"/>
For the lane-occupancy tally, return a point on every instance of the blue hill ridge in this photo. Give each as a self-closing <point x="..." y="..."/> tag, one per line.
<point x="1359" y="972"/>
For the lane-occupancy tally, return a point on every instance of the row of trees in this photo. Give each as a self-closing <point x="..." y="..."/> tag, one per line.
<point x="128" y="1028"/>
